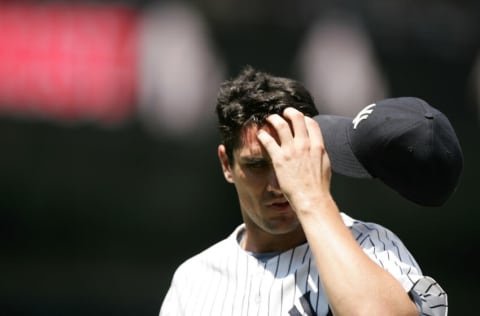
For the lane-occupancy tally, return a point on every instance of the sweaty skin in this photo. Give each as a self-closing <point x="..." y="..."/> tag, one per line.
<point x="354" y="284"/>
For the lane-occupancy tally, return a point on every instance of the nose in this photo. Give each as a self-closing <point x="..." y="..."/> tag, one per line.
<point x="272" y="185"/>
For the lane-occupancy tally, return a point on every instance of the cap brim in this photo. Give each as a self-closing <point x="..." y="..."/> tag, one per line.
<point x="335" y="136"/>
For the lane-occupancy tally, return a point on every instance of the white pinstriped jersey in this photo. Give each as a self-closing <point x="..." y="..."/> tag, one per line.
<point x="226" y="280"/>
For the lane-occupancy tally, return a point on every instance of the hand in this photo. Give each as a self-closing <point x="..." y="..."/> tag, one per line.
<point x="298" y="157"/>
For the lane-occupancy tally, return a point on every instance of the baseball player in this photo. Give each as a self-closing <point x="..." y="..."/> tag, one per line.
<point x="295" y="253"/>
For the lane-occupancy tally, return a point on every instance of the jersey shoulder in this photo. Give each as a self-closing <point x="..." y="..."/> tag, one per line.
<point x="209" y="257"/>
<point x="361" y="229"/>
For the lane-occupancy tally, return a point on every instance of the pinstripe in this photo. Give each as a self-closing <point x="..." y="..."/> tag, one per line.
<point x="196" y="298"/>
<point x="386" y="239"/>
<point x="236" y="278"/>
<point x="273" y="283"/>
<point x="291" y="259"/>
<point x="357" y="238"/>
<point x="397" y="249"/>
<point x="227" y="281"/>
<point x="295" y="281"/>
<point x="210" y="281"/>
<point x="307" y="250"/>
<point x="380" y="239"/>
<point x="215" y="285"/>
<point x="281" y="298"/>
<point x="260" y="286"/>
<point x="246" y="283"/>
<point x="308" y="273"/>
<point x="249" y="293"/>
<point x="363" y="240"/>
<point x="318" y="298"/>
<point x="408" y="275"/>
<point x="188" y="295"/>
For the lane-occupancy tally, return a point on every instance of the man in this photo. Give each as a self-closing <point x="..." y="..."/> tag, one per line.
<point x="295" y="253"/>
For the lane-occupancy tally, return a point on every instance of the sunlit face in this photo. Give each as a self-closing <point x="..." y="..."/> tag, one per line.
<point x="263" y="205"/>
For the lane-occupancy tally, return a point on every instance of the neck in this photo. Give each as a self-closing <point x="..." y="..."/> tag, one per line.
<point x="259" y="241"/>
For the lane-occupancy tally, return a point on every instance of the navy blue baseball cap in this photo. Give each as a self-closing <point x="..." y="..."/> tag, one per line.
<point x="404" y="142"/>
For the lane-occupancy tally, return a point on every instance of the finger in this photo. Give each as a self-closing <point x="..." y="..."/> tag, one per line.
<point x="282" y="128"/>
<point x="316" y="141"/>
<point x="267" y="140"/>
<point x="297" y="122"/>
<point x="314" y="132"/>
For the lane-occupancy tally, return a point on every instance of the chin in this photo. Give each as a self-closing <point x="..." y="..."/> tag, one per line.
<point x="283" y="228"/>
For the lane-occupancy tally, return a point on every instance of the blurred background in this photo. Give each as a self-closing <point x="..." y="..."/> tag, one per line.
<point x="108" y="170"/>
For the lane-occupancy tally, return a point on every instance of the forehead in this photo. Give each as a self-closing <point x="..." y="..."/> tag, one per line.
<point x="249" y="143"/>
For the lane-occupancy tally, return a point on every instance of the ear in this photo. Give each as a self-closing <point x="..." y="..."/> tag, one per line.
<point x="227" y="170"/>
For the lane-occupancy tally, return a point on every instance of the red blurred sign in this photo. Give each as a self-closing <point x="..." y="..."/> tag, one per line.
<point x="68" y="61"/>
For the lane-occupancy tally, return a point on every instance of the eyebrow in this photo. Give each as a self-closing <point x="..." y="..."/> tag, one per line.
<point x="249" y="159"/>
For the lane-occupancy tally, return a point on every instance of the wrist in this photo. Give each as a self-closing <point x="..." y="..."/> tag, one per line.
<point x="306" y="207"/>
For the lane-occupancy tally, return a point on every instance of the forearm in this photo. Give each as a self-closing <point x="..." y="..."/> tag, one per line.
<point x="354" y="284"/>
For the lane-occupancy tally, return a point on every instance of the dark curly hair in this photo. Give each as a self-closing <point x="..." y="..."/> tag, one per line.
<point x="251" y="97"/>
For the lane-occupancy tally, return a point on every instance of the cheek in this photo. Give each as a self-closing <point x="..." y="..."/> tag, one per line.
<point x="249" y="200"/>
<point x="253" y="181"/>
<point x="249" y="189"/>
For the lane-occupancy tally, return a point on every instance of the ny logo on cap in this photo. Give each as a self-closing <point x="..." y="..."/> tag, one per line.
<point x="362" y="115"/>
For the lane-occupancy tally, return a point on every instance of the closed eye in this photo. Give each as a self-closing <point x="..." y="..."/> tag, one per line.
<point x="256" y="164"/>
